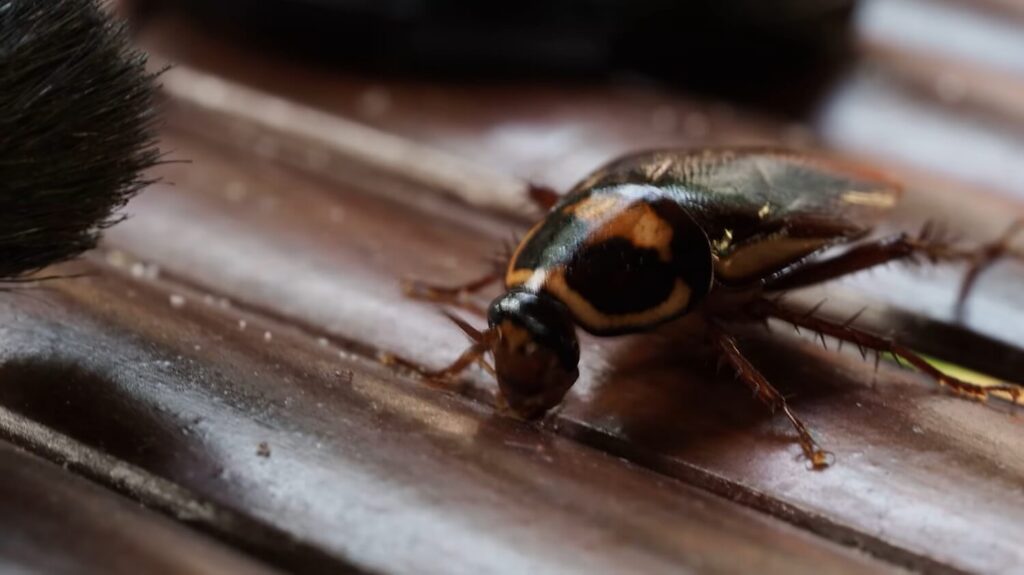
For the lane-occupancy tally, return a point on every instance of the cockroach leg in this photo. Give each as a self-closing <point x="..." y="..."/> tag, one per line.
<point x="764" y="308"/>
<point x="482" y="341"/>
<point x="725" y="346"/>
<point x="543" y="197"/>
<point x="451" y="295"/>
<point x="927" y="245"/>
<point x="983" y="259"/>
<point x="468" y="358"/>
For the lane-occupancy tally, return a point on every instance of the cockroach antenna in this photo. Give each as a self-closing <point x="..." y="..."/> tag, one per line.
<point x="77" y="129"/>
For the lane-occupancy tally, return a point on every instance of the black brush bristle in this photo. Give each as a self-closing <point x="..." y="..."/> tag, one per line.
<point x="77" y="128"/>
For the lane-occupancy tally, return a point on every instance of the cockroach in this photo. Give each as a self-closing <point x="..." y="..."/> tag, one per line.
<point x="657" y="235"/>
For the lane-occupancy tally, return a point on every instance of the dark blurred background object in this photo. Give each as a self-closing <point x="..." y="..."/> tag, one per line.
<point x="743" y="49"/>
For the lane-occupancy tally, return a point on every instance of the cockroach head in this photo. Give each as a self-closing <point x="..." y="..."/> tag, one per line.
<point x="535" y="349"/>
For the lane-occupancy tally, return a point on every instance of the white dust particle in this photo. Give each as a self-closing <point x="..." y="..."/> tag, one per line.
<point x="177" y="301"/>
<point x="242" y="324"/>
<point x="267" y="336"/>
<point x="117" y="258"/>
<point x="145" y="271"/>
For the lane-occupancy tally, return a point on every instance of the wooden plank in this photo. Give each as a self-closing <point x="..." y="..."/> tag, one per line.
<point x="263" y="421"/>
<point x="54" y="522"/>
<point x="320" y="256"/>
<point x="234" y="527"/>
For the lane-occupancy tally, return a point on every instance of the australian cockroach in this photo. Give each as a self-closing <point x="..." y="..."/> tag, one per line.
<point x="657" y="235"/>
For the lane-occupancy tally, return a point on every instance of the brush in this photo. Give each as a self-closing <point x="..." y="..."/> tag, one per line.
<point x="77" y="129"/>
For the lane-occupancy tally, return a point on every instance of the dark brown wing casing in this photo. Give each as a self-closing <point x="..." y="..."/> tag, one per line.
<point x="762" y="209"/>
<point x="640" y="241"/>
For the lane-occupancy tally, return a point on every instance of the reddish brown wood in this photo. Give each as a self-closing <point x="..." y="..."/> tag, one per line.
<point x="224" y="351"/>
<point x="323" y="262"/>
<point x="54" y="522"/>
<point x="335" y="450"/>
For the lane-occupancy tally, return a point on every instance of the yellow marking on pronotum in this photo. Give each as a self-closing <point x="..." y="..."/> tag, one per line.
<point x="520" y="276"/>
<point x="553" y="281"/>
<point x="594" y="208"/>
<point x="611" y="218"/>
<point x="639" y="224"/>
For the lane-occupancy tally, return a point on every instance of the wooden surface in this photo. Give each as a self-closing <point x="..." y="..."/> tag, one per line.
<point x="220" y="363"/>
<point x="54" y="522"/>
<point x="376" y="470"/>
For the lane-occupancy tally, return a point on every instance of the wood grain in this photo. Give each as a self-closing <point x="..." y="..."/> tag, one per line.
<point x="54" y="522"/>
<point x="341" y="454"/>
<point x="636" y="399"/>
<point x="556" y="134"/>
<point x="223" y="360"/>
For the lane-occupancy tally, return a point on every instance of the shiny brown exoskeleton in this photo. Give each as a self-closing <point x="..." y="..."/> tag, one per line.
<point x="657" y="235"/>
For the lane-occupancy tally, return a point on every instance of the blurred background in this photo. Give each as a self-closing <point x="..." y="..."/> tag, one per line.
<point x="935" y="85"/>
